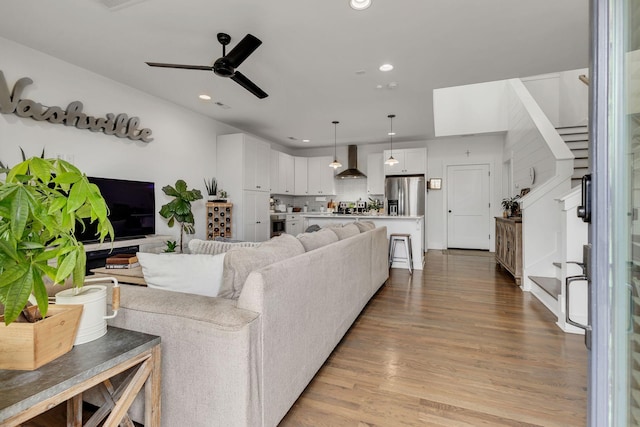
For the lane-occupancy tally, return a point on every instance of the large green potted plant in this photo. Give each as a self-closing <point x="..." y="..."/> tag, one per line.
<point x="179" y="209"/>
<point x="42" y="201"/>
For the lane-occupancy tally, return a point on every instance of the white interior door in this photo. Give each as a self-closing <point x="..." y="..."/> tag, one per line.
<point x="468" y="206"/>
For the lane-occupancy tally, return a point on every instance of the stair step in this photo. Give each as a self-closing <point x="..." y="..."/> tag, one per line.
<point x="575" y="137"/>
<point x="572" y="129"/>
<point x="578" y="145"/>
<point x="581" y="153"/>
<point x="578" y="174"/>
<point x="576" y="182"/>
<point x="550" y="285"/>
<point x="581" y="164"/>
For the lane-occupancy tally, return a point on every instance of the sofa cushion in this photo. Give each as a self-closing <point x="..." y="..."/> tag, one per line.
<point x="346" y="231"/>
<point x="239" y="262"/>
<point x="214" y="247"/>
<point x="317" y="239"/>
<point x="365" y="225"/>
<point x="189" y="273"/>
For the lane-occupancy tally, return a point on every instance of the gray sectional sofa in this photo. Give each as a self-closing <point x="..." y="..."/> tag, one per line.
<point x="244" y="362"/>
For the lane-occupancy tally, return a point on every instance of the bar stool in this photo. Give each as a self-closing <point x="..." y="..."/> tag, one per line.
<point x="394" y="238"/>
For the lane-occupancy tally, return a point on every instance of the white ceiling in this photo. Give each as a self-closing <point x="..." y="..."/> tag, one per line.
<point x="310" y="54"/>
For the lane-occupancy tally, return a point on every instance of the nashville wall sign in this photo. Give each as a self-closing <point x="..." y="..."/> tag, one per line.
<point x="119" y="125"/>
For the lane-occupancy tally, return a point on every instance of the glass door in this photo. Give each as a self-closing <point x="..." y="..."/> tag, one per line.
<point x="615" y="231"/>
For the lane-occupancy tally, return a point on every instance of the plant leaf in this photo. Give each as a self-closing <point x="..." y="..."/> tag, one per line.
<point x="40" y="292"/>
<point x="65" y="268"/>
<point x="16" y="296"/>
<point x="19" y="212"/>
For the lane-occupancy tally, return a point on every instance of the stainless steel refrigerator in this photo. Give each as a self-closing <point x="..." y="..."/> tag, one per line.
<point x="405" y="195"/>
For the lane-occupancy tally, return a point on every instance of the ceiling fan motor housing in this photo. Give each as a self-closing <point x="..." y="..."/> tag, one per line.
<point x="222" y="68"/>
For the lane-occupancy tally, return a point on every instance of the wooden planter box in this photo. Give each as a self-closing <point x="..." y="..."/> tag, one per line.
<point x="27" y="346"/>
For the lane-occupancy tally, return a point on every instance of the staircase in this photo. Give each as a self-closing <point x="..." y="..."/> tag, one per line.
<point x="577" y="139"/>
<point x="551" y="288"/>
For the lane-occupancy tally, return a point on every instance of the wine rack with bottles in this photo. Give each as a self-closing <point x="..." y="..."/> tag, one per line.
<point x="219" y="220"/>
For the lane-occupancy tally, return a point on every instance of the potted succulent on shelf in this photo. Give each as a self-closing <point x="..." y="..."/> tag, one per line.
<point x="179" y="209"/>
<point x="42" y="201"/>
<point x="212" y="189"/>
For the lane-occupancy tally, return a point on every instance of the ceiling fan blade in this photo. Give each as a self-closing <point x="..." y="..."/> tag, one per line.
<point x="186" y="67"/>
<point x="242" y="50"/>
<point x="239" y="78"/>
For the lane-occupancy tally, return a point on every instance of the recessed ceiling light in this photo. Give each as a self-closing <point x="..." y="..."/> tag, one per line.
<point x="391" y="133"/>
<point x="205" y="97"/>
<point x="359" y="4"/>
<point x="386" y="67"/>
<point x="306" y="140"/>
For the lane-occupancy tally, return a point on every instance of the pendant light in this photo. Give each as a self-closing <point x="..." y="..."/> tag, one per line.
<point x="391" y="161"/>
<point x="335" y="164"/>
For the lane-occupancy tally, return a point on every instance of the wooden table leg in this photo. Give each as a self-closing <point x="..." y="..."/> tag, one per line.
<point x="152" y="391"/>
<point x="74" y="411"/>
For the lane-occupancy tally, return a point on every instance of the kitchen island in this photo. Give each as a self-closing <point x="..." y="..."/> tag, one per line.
<point x="413" y="225"/>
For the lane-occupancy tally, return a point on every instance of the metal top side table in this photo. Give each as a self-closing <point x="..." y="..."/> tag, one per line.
<point x="25" y="394"/>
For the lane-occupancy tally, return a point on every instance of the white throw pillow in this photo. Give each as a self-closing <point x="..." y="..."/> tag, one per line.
<point x="188" y="273"/>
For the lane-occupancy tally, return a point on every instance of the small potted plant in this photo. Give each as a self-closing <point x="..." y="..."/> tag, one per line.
<point x="42" y="201"/>
<point x="179" y="209"/>
<point x="374" y="206"/>
<point x="212" y="189"/>
<point x="510" y="206"/>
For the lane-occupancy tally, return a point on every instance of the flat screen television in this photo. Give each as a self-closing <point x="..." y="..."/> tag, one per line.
<point x="132" y="209"/>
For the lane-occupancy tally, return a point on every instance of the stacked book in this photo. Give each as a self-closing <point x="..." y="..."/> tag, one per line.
<point x="122" y="261"/>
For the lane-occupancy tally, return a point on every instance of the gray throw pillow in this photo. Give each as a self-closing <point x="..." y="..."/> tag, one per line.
<point x="365" y="225"/>
<point x="346" y="231"/>
<point x="316" y="240"/>
<point x="215" y="247"/>
<point x="239" y="262"/>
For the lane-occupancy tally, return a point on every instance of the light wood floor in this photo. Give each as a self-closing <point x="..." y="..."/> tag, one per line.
<point x="455" y="345"/>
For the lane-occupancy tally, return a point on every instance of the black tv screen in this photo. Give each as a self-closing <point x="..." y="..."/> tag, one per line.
<point x="132" y="209"/>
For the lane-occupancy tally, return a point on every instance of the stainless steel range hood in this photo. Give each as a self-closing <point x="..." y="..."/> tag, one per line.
<point x="352" y="170"/>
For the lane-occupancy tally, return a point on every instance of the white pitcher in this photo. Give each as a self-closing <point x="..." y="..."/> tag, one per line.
<point x="93" y="323"/>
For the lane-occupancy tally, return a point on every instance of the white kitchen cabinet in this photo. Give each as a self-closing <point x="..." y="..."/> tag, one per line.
<point x="256" y="216"/>
<point x="293" y="224"/>
<point x="242" y="165"/>
<point x="411" y="161"/>
<point x="245" y="157"/>
<point x="274" y="172"/>
<point x="321" y="179"/>
<point x="300" y="176"/>
<point x="286" y="166"/>
<point x="375" y="174"/>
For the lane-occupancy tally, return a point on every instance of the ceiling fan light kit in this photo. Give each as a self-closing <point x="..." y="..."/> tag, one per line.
<point x="226" y="65"/>
<point x="335" y="164"/>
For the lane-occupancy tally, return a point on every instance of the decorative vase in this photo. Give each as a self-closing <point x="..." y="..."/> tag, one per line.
<point x="27" y="346"/>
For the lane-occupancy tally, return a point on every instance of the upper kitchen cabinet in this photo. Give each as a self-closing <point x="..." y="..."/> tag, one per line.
<point x="321" y="179"/>
<point x="375" y="174"/>
<point x="274" y="172"/>
<point x="300" y="180"/>
<point x="286" y="166"/>
<point x="411" y="161"/>
<point x="242" y="158"/>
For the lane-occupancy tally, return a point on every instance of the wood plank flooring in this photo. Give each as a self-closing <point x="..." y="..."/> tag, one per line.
<point x="457" y="344"/>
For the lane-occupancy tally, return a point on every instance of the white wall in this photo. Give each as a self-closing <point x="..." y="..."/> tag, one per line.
<point x="470" y="109"/>
<point x="443" y="152"/>
<point x="562" y="96"/>
<point x="184" y="144"/>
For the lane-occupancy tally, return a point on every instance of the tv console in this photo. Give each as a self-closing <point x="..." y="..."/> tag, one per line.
<point x="97" y="253"/>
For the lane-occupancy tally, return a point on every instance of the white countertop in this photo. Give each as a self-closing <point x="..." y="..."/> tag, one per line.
<point x="337" y="216"/>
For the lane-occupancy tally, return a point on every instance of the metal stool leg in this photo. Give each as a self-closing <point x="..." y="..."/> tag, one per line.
<point x="407" y="246"/>
<point x="392" y="251"/>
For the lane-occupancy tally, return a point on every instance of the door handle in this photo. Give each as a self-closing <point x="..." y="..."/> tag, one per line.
<point x="584" y="211"/>
<point x="449" y="210"/>
<point x="587" y="328"/>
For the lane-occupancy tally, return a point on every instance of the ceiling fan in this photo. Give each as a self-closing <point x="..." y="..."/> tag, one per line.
<point x="227" y="64"/>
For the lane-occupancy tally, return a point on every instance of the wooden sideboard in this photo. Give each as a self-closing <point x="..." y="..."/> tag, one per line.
<point x="509" y="246"/>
